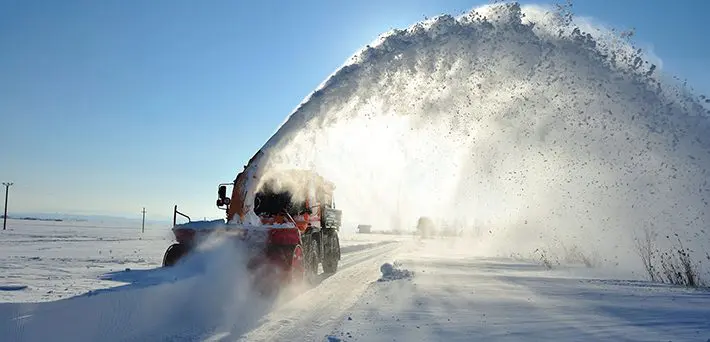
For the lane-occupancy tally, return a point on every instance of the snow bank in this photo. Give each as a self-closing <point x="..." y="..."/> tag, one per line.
<point x="516" y="125"/>
<point x="210" y="290"/>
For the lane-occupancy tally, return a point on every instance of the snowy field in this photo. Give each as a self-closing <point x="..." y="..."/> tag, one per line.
<point x="452" y="296"/>
<point x="437" y="290"/>
<point x="46" y="260"/>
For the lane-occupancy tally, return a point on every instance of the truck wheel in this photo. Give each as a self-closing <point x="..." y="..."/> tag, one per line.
<point x="331" y="252"/>
<point x="283" y="266"/>
<point x="311" y="261"/>
<point x="173" y="254"/>
<point x="330" y="266"/>
<point x="297" y="269"/>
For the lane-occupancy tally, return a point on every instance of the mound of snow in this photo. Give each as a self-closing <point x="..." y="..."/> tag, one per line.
<point x="394" y="272"/>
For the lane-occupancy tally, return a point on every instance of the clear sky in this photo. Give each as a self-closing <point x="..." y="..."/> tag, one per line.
<point x="110" y="106"/>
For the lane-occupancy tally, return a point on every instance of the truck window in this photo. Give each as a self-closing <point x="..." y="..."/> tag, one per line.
<point x="271" y="203"/>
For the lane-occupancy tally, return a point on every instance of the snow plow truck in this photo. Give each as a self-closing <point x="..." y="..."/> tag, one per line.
<point x="287" y="220"/>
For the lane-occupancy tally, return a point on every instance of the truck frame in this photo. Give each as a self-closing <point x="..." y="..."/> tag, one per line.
<point x="287" y="216"/>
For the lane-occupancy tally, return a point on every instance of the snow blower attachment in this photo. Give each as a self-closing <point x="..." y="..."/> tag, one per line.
<point x="286" y="219"/>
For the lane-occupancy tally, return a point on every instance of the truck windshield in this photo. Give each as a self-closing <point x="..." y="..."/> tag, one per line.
<point x="272" y="203"/>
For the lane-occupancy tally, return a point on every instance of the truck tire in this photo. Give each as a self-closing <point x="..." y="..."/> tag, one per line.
<point x="331" y="253"/>
<point x="173" y="254"/>
<point x="310" y="260"/>
<point x="284" y="266"/>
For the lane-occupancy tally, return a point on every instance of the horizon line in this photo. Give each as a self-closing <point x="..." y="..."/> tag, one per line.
<point x="63" y="215"/>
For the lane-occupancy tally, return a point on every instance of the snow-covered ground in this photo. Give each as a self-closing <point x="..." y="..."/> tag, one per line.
<point x="438" y="289"/>
<point x="457" y="297"/>
<point x="47" y="260"/>
<point x="59" y="259"/>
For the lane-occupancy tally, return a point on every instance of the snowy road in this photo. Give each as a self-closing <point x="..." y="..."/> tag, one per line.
<point x="312" y="315"/>
<point x="453" y="297"/>
<point x="449" y="294"/>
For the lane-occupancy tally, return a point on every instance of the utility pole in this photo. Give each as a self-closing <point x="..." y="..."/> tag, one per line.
<point x="4" y="218"/>
<point x="143" y="225"/>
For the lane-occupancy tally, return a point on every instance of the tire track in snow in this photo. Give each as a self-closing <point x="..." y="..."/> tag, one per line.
<point x="311" y="314"/>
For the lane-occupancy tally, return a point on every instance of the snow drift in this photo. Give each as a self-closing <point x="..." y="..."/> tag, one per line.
<point x="208" y="292"/>
<point x="517" y="124"/>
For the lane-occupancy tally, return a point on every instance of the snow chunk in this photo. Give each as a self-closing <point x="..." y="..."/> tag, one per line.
<point x="394" y="272"/>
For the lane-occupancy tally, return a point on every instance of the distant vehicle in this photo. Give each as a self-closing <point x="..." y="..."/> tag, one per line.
<point x="426" y="227"/>
<point x="364" y="228"/>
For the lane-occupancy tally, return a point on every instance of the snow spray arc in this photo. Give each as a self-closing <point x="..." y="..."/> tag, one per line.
<point x="515" y="118"/>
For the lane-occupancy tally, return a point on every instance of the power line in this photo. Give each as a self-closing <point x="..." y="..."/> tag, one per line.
<point x="4" y="218"/>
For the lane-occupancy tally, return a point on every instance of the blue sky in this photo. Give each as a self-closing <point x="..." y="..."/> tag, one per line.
<point x="110" y="106"/>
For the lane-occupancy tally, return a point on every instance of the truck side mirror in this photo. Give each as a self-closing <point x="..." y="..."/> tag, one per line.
<point x="222" y="193"/>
